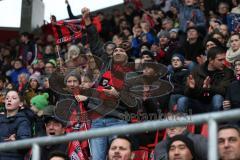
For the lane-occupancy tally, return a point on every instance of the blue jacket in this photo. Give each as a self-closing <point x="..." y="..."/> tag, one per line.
<point x="14" y="75"/>
<point x="189" y="13"/>
<point x="19" y="125"/>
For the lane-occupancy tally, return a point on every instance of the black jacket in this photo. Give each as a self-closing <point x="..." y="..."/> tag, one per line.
<point x="233" y="94"/>
<point x="220" y="80"/>
<point x="200" y="146"/>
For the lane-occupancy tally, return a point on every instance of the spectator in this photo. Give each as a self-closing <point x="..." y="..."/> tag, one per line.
<point x="181" y="147"/>
<point x="23" y="83"/>
<point x="190" y="15"/>
<point x="106" y="116"/>
<point x="210" y="43"/>
<point x="219" y="36"/>
<point x="49" y="53"/>
<point x="28" y="49"/>
<point x="58" y="156"/>
<point x="223" y="9"/>
<point x="18" y="69"/>
<point x="232" y="98"/>
<point x="229" y="142"/>
<point x="50" y="67"/>
<point x="15" y="125"/>
<point x="178" y="77"/>
<point x="236" y="9"/>
<point x="167" y="48"/>
<point x="200" y="143"/>
<point x="192" y="48"/>
<point x="207" y="84"/>
<point x="33" y="87"/>
<point x="233" y="52"/>
<point x="54" y="127"/>
<point x="120" y="148"/>
<point x="38" y="104"/>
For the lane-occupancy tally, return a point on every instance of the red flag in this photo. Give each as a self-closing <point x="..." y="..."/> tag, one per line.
<point x="137" y="3"/>
<point x="78" y="150"/>
<point x="67" y="30"/>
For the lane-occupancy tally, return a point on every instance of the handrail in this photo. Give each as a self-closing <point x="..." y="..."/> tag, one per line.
<point x="211" y="118"/>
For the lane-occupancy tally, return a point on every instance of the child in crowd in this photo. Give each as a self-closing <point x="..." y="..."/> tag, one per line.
<point x="15" y="125"/>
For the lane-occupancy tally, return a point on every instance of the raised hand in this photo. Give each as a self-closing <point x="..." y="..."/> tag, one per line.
<point x="206" y="82"/>
<point x="191" y="82"/>
<point x="11" y="138"/>
<point x="226" y="105"/>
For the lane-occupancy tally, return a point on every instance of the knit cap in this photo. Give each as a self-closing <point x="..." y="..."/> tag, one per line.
<point x="163" y="34"/>
<point x="179" y="56"/>
<point x="149" y="53"/>
<point x="40" y="101"/>
<point x="188" y="142"/>
<point x="36" y="76"/>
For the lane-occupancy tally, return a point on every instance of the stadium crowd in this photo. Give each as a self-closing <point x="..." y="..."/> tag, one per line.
<point x="177" y="57"/>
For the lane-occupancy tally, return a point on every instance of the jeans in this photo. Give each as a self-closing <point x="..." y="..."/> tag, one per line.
<point x="191" y="66"/>
<point x="197" y="106"/>
<point x="173" y="101"/>
<point x="99" y="145"/>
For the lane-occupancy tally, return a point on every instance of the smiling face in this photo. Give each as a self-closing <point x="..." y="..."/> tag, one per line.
<point x="12" y="101"/>
<point x="119" y="55"/>
<point x="120" y="149"/>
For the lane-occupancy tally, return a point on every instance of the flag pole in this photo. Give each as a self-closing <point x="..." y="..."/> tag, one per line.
<point x="60" y="62"/>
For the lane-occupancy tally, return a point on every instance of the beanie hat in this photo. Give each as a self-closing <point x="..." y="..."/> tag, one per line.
<point x="73" y="73"/>
<point x="40" y="101"/>
<point x="163" y="34"/>
<point x="214" y="40"/>
<point x="149" y="53"/>
<point x="109" y="43"/>
<point x="53" y="62"/>
<point x="36" y="76"/>
<point x="174" y="30"/>
<point x="181" y="57"/>
<point x="188" y="142"/>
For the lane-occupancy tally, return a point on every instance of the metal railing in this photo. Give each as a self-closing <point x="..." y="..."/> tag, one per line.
<point x="210" y="118"/>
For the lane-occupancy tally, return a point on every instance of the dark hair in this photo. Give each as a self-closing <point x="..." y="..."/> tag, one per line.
<point x="214" y="51"/>
<point x="2" y="78"/>
<point x="58" y="154"/>
<point x="15" y="90"/>
<point x="25" y="34"/>
<point x="121" y="137"/>
<point x="229" y="126"/>
<point x="235" y="34"/>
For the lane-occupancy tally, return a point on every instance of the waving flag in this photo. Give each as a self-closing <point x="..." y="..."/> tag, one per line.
<point x="67" y="30"/>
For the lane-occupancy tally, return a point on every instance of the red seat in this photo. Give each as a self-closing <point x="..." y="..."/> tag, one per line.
<point x="204" y="130"/>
